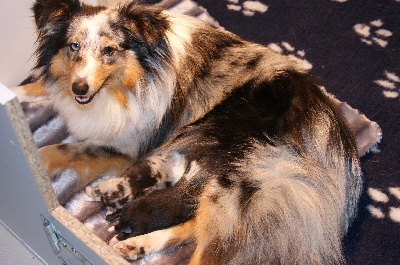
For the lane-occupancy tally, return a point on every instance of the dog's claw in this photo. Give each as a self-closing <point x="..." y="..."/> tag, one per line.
<point x="113" y="218"/>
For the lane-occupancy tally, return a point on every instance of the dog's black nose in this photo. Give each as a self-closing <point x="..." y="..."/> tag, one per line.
<point x="80" y="87"/>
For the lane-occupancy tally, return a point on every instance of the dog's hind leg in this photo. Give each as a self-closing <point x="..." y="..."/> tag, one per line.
<point x="136" y="247"/>
<point x="88" y="162"/>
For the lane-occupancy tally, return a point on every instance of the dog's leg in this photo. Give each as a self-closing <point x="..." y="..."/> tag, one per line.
<point x="155" y="172"/>
<point x="136" y="247"/>
<point x="158" y="210"/>
<point x="89" y="162"/>
<point x="31" y="92"/>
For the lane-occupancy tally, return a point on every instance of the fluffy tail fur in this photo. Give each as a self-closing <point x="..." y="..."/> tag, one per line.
<point x="290" y="202"/>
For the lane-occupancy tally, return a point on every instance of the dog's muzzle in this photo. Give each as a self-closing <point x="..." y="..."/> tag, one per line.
<point x="80" y="89"/>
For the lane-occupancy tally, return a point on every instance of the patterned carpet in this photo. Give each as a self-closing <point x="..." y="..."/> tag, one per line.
<point x="353" y="46"/>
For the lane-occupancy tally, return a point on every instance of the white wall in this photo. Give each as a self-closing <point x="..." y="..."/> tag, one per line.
<point x="17" y="37"/>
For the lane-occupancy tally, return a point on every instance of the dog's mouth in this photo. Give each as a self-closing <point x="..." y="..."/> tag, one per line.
<point x="86" y="99"/>
<point x="83" y="100"/>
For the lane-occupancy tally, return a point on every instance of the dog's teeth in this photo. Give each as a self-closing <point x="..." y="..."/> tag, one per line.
<point x="84" y="99"/>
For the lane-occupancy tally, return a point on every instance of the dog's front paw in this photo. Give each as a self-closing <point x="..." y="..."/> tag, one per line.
<point x="132" y="248"/>
<point x="135" y="181"/>
<point x="114" y="193"/>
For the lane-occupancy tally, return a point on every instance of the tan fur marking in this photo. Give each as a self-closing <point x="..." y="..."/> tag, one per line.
<point x="34" y="89"/>
<point x="182" y="233"/>
<point x="131" y="74"/>
<point x="211" y="225"/>
<point x="126" y="78"/>
<point x="121" y="97"/>
<point x="59" y="65"/>
<point x="101" y="75"/>
<point x="88" y="168"/>
<point x="118" y="81"/>
<point x="137" y="247"/>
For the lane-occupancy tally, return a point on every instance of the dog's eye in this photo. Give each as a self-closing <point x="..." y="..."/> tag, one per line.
<point x="108" y="50"/>
<point x="74" y="47"/>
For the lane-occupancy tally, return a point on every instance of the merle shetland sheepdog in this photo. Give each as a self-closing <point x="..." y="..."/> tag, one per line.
<point x="215" y="140"/>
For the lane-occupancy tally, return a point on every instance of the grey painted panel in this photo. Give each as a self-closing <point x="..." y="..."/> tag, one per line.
<point x="21" y="202"/>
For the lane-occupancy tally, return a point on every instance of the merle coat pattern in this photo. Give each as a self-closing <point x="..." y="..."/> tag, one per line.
<point x="215" y="140"/>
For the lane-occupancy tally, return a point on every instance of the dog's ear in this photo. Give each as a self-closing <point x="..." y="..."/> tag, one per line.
<point x="47" y="11"/>
<point x="146" y="23"/>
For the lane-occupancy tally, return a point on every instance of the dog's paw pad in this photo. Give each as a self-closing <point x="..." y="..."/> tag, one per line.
<point x="130" y="249"/>
<point x="115" y="193"/>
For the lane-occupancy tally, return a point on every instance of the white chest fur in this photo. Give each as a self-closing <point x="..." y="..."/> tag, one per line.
<point x="107" y="122"/>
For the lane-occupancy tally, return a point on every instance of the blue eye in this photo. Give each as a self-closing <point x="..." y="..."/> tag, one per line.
<point x="74" y="47"/>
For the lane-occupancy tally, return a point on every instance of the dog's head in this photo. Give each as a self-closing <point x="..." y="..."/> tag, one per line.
<point x="86" y="49"/>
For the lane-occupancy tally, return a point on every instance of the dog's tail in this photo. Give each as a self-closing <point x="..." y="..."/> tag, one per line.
<point x="291" y="202"/>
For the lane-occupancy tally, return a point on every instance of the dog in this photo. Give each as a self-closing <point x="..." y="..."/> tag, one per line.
<point x="215" y="140"/>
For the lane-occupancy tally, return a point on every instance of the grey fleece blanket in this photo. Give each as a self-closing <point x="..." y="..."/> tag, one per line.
<point x="48" y="128"/>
